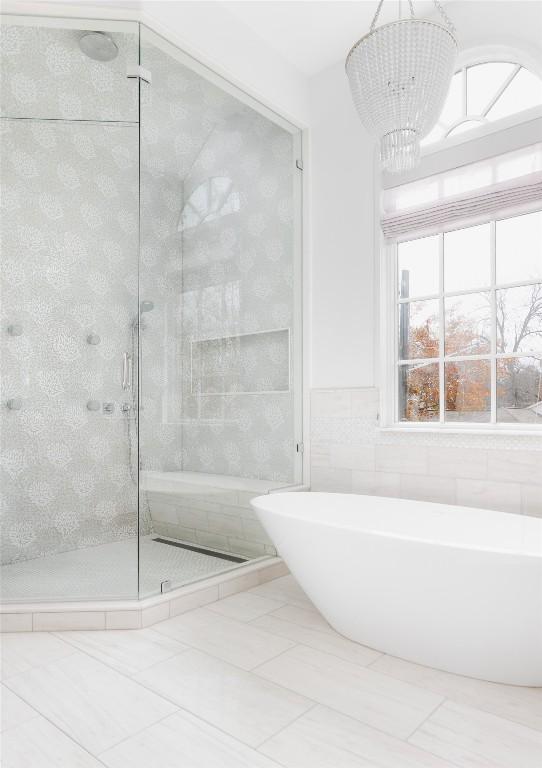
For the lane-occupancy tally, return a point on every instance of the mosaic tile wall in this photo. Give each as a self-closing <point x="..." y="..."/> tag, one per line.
<point x="350" y="455"/>
<point x="217" y="261"/>
<point x="69" y="269"/>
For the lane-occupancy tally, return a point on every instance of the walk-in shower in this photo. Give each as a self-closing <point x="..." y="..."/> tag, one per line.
<point x="151" y="333"/>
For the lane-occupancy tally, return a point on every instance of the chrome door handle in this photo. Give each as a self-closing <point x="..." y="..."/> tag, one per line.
<point x="130" y="372"/>
<point x="126" y="371"/>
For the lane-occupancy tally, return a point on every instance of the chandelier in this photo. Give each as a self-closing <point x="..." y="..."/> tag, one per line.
<point x="399" y="76"/>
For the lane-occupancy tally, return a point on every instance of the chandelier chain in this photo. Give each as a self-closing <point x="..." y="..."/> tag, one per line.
<point x="445" y="16"/>
<point x="377" y="14"/>
<point x="438" y="6"/>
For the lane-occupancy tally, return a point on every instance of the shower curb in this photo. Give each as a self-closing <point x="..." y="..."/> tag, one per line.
<point x="136" y="614"/>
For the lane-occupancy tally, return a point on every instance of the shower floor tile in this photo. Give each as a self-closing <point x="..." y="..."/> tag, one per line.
<point x="107" y="571"/>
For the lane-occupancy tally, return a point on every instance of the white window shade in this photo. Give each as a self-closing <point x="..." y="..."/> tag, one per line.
<point x="497" y="186"/>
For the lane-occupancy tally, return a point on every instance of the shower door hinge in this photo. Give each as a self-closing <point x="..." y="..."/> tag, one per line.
<point x="134" y="70"/>
<point x="300" y="447"/>
<point x="299" y="164"/>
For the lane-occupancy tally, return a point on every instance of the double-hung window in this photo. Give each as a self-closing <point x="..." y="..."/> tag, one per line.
<point x="462" y="266"/>
<point x="469" y="324"/>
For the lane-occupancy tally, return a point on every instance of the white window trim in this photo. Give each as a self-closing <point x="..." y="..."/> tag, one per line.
<point x="513" y="132"/>
<point x="389" y="368"/>
<point x="486" y="128"/>
<point x="486" y="55"/>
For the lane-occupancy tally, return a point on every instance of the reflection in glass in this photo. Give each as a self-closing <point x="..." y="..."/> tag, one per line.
<point x="419" y="392"/>
<point x="418" y="329"/>
<point x="468" y="391"/>
<point x="251" y="362"/>
<point x="418" y="267"/>
<point x="467" y="258"/>
<point x="519" y="248"/>
<point x="210" y="200"/>
<point x="519" y="390"/>
<point x="467" y="324"/>
<point x="519" y="319"/>
<point x="218" y="243"/>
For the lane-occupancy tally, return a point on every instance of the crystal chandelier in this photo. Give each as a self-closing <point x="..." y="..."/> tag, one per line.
<point x="399" y="76"/>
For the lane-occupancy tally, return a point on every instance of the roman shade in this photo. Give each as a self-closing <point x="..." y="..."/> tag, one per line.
<point x="504" y="185"/>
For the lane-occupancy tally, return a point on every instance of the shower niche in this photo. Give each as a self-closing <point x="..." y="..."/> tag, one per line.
<point x="151" y="332"/>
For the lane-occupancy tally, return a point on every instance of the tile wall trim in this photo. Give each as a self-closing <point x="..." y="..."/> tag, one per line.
<point x="135" y="614"/>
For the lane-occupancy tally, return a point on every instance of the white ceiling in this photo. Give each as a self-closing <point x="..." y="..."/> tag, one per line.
<point x="314" y="34"/>
<point x="310" y="34"/>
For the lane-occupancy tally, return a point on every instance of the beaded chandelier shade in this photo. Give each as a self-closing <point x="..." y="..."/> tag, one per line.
<point x="399" y="76"/>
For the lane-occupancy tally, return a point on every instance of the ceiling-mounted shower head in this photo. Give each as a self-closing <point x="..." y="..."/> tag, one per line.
<point x="98" y="46"/>
<point x="146" y="306"/>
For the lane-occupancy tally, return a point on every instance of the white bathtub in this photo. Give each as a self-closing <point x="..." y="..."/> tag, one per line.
<point x="449" y="587"/>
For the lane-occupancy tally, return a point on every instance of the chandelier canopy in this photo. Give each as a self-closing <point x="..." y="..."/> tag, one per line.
<point x="399" y="76"/>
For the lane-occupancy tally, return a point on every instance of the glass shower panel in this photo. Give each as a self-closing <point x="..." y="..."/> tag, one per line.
<point x="220" y="339"/>
<point x="69" y="311"/>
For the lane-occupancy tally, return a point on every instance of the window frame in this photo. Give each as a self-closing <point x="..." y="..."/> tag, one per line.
<point x="389" y="323"/>
<point x="468" y="147"/>
<point x="487" y="55"/>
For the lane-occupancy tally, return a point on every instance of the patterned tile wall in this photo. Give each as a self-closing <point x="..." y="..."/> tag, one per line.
<point x="217" y="260"/>
<point x="45" y="74"/>
<point x="350" y="455"/>
<point x="69" y="269"/>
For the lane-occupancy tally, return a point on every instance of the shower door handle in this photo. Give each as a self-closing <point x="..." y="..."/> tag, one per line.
<point x="127" y="371"/>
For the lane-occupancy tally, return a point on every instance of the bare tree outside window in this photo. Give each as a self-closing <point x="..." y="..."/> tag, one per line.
<point x="470" y="344"/>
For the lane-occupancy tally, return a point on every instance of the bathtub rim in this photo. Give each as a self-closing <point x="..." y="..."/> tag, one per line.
<point x="269" y="504"/>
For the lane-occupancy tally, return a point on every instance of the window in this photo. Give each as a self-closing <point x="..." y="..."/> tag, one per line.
<point x="484" y="93"/>
<point x="469" y="324"/>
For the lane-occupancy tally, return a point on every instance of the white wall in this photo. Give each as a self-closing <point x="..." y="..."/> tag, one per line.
<point x="341" y="182"/>
<point x="222" y="41"/>
<point x="348" y="451"/>
<point x="344" y="290"/>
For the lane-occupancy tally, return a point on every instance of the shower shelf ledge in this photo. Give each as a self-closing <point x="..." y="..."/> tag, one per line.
<point x="184" y="481"/>
<point x="137" y="614"/>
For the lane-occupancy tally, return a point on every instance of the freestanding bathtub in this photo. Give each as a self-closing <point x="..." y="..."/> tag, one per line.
<point x="454" y="588"/>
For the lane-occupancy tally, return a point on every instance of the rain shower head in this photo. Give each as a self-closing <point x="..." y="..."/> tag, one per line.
<point x="98" y="46"/>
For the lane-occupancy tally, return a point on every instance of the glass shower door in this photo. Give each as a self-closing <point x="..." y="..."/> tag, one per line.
<point x="220" y="326"/>
<point x="69" y="120"/>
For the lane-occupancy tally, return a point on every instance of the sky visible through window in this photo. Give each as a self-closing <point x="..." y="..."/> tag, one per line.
<point x="483" y="93"/>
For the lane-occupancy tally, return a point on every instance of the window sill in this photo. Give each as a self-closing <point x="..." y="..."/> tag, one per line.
<point x="535" y="431"/>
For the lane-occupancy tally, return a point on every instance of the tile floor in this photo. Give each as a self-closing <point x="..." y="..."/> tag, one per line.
<point x="107" y="571"/>
<point x="258" y="680"/>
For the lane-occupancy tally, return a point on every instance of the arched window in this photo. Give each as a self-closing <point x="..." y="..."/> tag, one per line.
<point x="484" y="93"/>
<point x="462" y="262"/>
